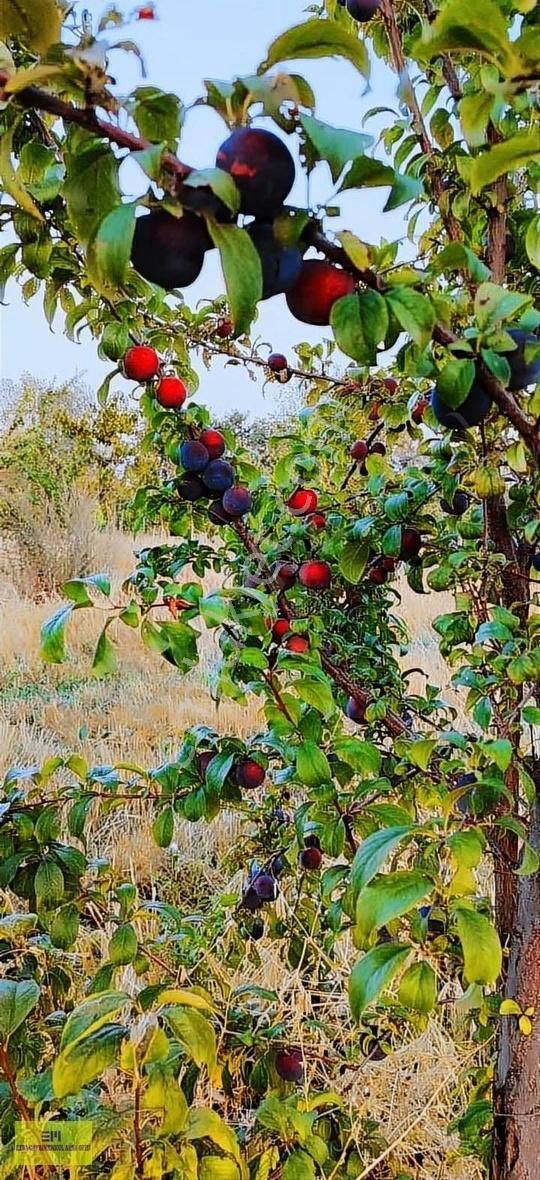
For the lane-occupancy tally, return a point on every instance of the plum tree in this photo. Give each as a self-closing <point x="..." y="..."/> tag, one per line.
<point x="415" y="808"/>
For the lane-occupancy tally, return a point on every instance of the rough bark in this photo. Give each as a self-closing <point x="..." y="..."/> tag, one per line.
<point x="516" y="1141"/>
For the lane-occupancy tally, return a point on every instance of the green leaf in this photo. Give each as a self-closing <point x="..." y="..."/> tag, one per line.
<point x="48" y="884"/>
<point x="317" y="38"/>
<point x="360" y="324"/>
<point x="91" y="188"/>
<point x="158" y="115"/>
<point x="374" y="972"/>
<point x="419" y="752"/>
<point x="207" y="1124"/>
<point x="84" y="1060"/>
<point x="109" y="250"/>
<point x="216" y="1167"/>
<point x="481" y="29"/>
<point x="502" y="158"/>
<point x="413" y="312"/>
<point x="76" y="589"/>
<point x="196" y="1035"/>
<point x="474" y="114"/>
<point x="241" y="271"/>
<point x="488" y="481"/>
<point x="389" y="897"/>
<point x="372" y="854"/>
<point x="454" y="382"/>
<point x="65" y="927"/>
<point x="163" y="827"/>
<point x="481" y="946"/>
<point x="104" y="662"/>
<point x="532" y="240"/>
<point x="362" y="755"/>
<point x="123" y="945"/>
<point x="91" y="1015"/>
<point x="312" y="766"/>
<point x="492" y="304"/>
<point x="353" y="558"/>
<point x="34" y="22"/>
<point x="456" y="256"/>
<point x="299" y="1166"/>
<point x="17" y="999"/>
<point x="336" y="146"/>
<point x="221" y="184"/>
<point x="317" y="694"/>
<point x="418" y="988"/>
<point x="11" y="182"/>
<point x="354" y="248"/>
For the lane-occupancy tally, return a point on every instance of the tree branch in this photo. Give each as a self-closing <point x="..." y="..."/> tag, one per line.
<point x="433" y="170"/>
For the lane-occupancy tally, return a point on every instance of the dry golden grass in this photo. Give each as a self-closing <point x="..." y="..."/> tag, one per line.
<point x="139" y="714"/>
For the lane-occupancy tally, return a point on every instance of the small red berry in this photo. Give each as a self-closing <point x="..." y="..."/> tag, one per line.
<point x="302" y="502"/>
<point x="277" y="362"/>
<point x="203" y="761"/>
<point x="374" y="412"/>
<point x="377" y="575"/>
<point x="316" y="520"/>
<point x="419" y="409"/>
<point x="141" y="363"/>
<point x="171" y="393"/>
<point x="378" y="448"/>
<point x="285" y="574"/>
<point x="296" y="643"/>
<point x="359" y="449"/>
<point x="356" y="710"/>
<point x="388" y="564"/>
<point x="411" y="544"/>
<point x="146" y="13"/>
<point x="214" y="442"/>
<point x="289" y="1065"/>
<point x="311" y="858"/>
<point x="280" y="629"/>
<point x="249" y="774"/>
<point x="390" y="384"/>
<point x="315" y="575"/>
<point x="224" y="329"/>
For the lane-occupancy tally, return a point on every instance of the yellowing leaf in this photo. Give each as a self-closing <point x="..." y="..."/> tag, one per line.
<point x="34" y="22"/>
<point x="525" y="1026"/>
<point x="9" y="179"/>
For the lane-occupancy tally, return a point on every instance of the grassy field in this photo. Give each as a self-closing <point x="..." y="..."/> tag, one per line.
<point x="139" y="714"/>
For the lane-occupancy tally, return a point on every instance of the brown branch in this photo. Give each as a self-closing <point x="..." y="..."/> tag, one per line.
<point x="496" y="251"/>
<point x="449" y="73"/>
<point x="86" y="117"/>
<point x="9" y="1073"/>
<point x="433" y="170"/>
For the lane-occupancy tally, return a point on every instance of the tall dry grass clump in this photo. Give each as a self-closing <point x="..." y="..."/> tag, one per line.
<point x="43" y="544"/>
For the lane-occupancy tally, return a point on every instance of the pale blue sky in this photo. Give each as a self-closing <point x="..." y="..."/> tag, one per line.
<point x="191" y="41"/>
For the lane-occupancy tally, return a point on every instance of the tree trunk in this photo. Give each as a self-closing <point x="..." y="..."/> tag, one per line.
<point x="516" y="1140"/>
